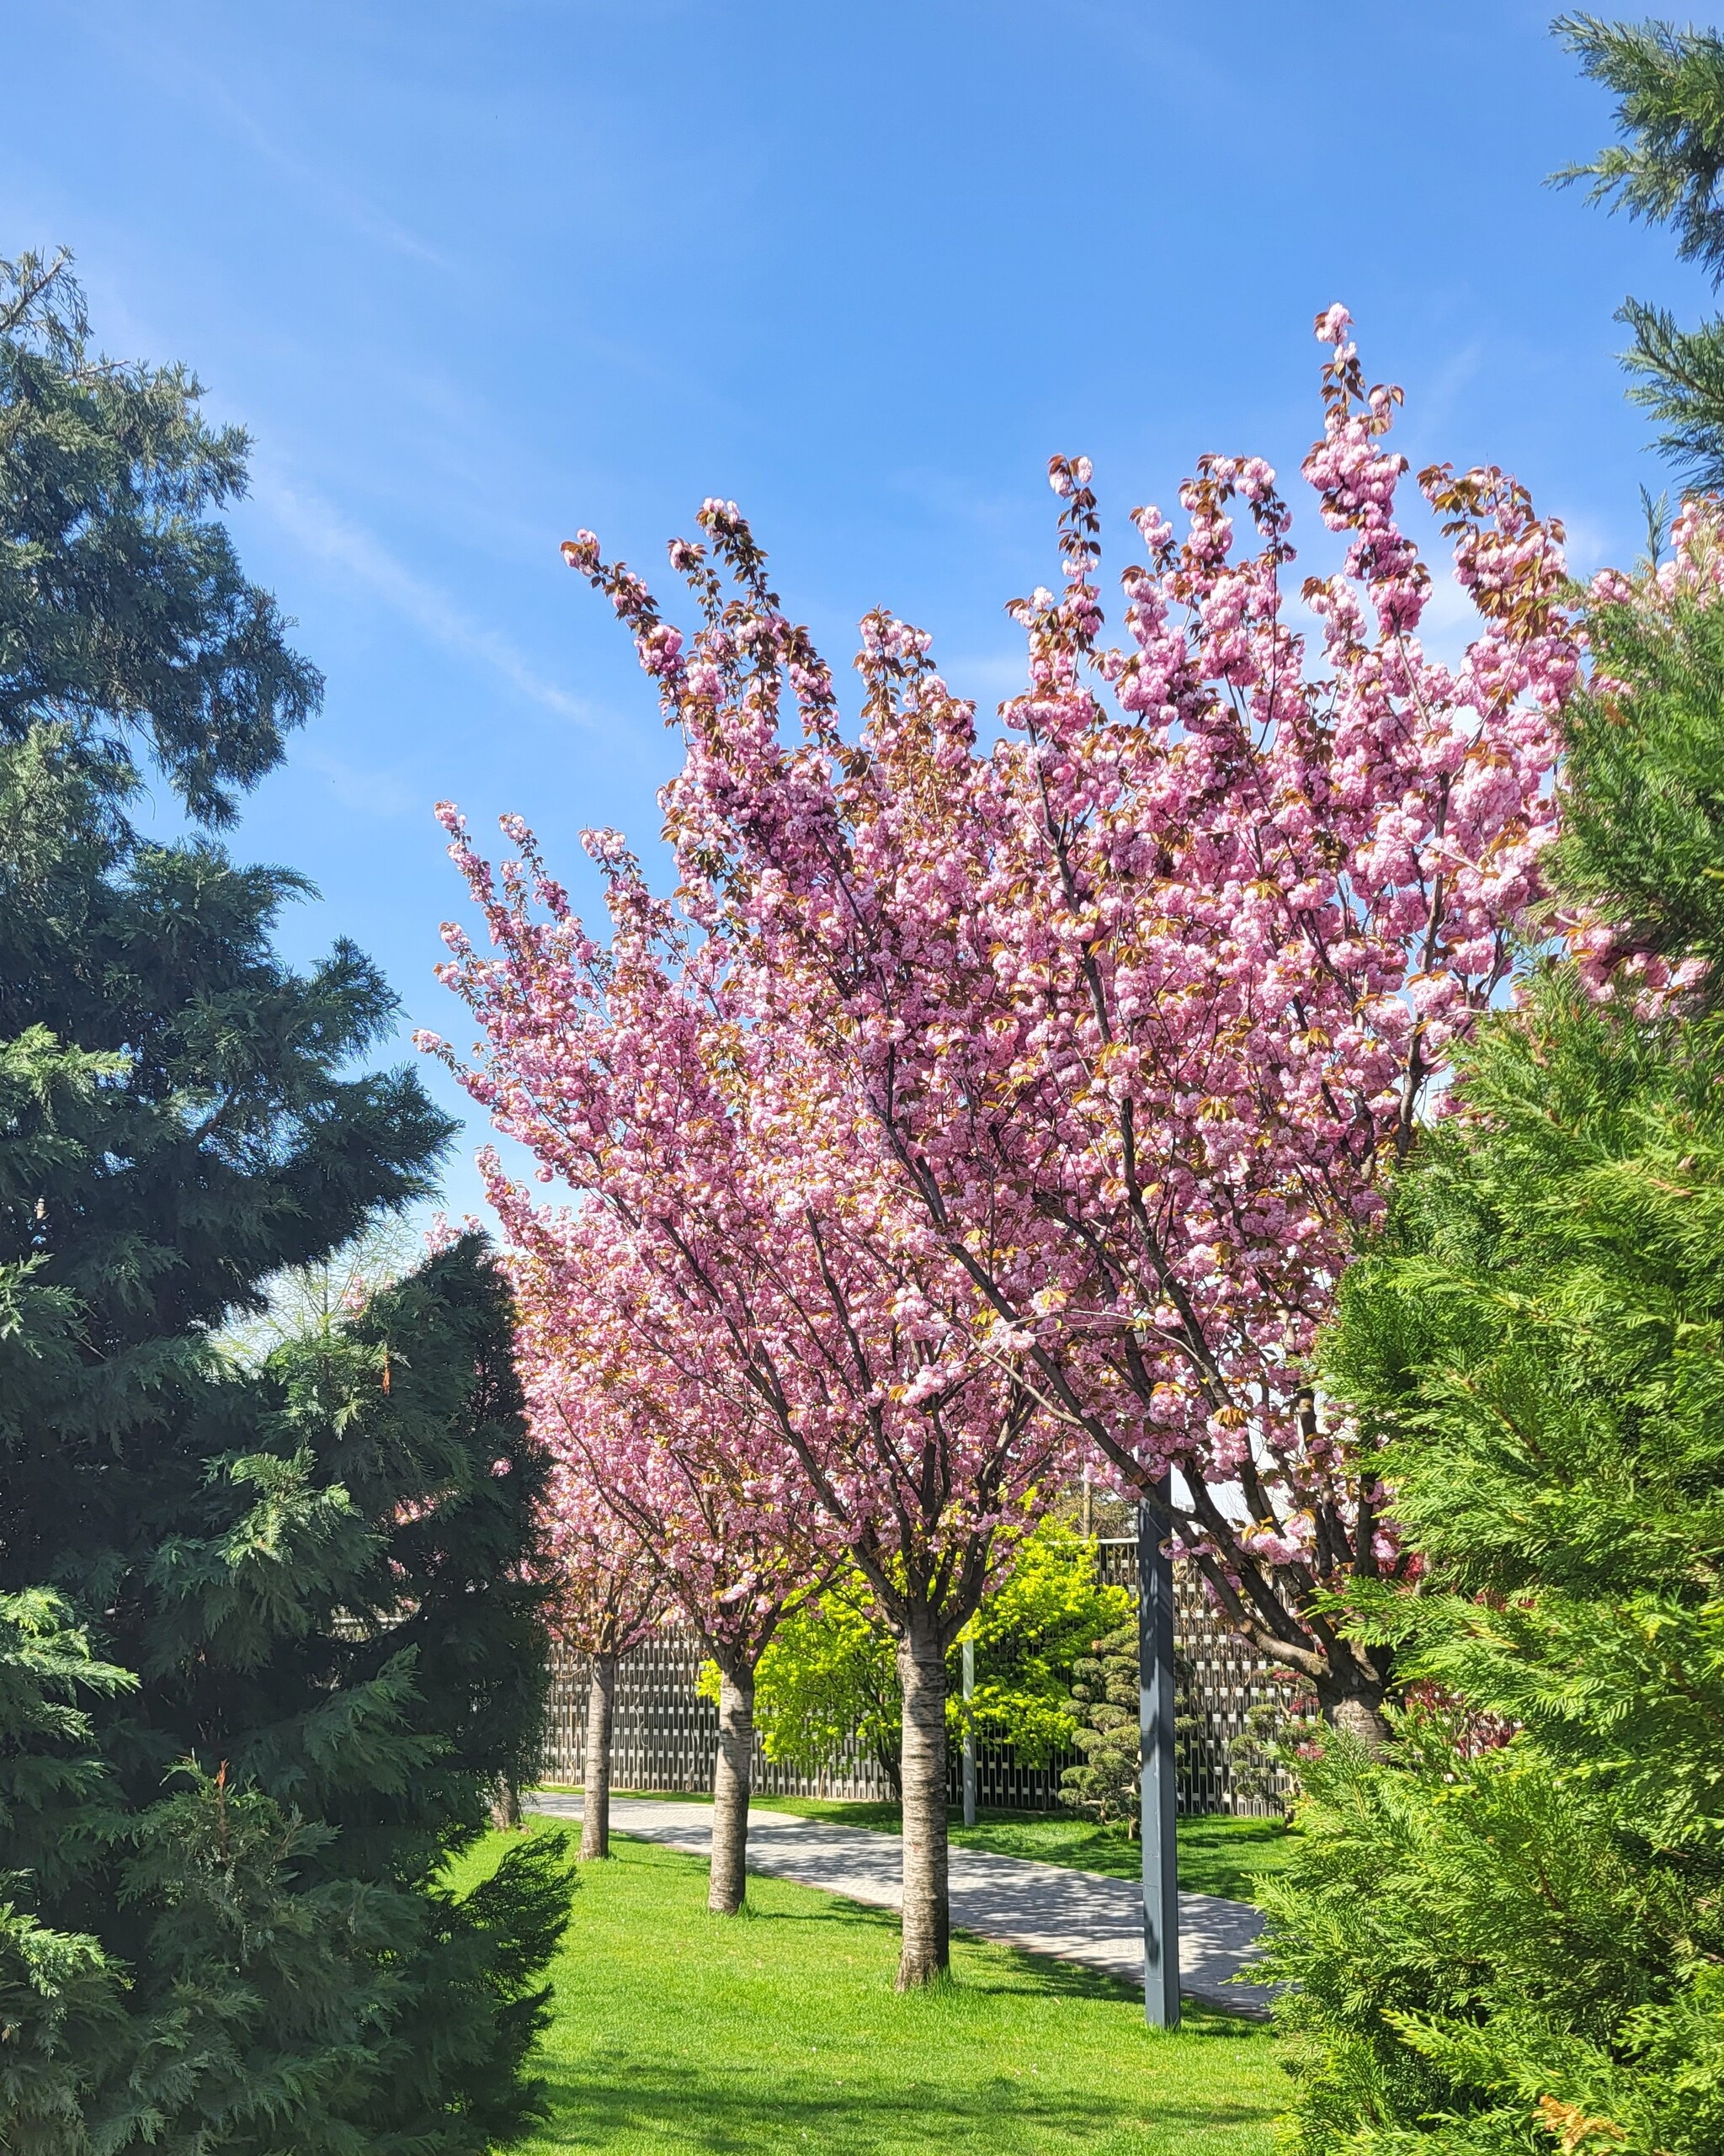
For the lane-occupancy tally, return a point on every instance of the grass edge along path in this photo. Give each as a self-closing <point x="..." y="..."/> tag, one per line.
<point x="1219" y="1854"/>
<point x="677" y="2033"/>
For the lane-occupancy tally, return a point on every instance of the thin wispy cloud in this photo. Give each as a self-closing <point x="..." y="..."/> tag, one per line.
<point x="368" y="793"/>
<point x="328" y="536"/>
<point x="343" y="204"/>
<point x="177" y="70"/>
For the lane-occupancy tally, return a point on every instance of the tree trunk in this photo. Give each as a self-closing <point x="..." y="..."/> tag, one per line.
<point x="506" y="1807"/>
<point x="922" y="1675"/>
<point x="1361" y="1716"/>
<point x="733" y="1773"/>
<point x="595" y="1785"/>
<point x="1352" y="1699"/>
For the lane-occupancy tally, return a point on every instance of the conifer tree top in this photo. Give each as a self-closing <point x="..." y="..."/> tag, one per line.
<point x="1669" y="86"/>
<point x="124" y="615"/>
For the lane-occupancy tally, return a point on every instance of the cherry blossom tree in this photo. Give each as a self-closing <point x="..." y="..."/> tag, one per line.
<point x="609" y="1598"/>
<point x="1140" y="1000"/>
<point x="609" y="1365"/>
<point x="780" y="1299"/>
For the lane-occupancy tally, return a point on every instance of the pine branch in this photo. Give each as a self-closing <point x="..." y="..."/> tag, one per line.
<point x="1669" y="86"/>
<point x="1679" y="377"/>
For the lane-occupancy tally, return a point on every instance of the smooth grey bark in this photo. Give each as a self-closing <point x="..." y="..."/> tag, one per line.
<point x="595" y="1783"/>
<point x="1158" y="1771"/>
<point x="732" y="1776"/>
<point x="926" y="1953"/>
<point x="969" y="1732"/>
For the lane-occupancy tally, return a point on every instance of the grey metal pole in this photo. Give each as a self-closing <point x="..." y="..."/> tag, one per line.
<point x="1157" y="1788"/>
<point x="969" y="1734"/>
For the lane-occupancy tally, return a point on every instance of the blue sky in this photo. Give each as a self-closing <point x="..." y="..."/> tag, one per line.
<point x="478" y="274"/>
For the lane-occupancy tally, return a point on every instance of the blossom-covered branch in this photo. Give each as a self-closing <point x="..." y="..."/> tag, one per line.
<point x="1140" y="999"/>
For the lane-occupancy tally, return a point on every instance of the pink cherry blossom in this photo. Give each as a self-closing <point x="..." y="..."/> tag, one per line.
<point x="743" y="1337"/>
<point x="1105" y="1032"/>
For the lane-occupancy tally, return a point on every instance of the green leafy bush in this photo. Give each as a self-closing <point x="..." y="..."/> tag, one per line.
<point x="1031" y="1632"/>
<point x="829" y="1677"/>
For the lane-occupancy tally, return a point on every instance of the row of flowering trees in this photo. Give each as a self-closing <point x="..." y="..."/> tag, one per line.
<point x="989" y="1102"/>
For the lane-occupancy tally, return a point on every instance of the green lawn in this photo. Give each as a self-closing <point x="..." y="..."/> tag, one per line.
<point x="1217" y="1854"/>
<point x="678" y="2032"/>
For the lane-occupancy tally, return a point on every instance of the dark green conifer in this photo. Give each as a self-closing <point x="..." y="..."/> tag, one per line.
<point x="1105" y="1707"/>
<point x="124" y="613"/>
<point x="269" y="1635"/>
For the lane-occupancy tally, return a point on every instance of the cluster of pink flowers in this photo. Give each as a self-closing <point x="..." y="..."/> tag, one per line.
<point x="637" y="1461"/>
<point x="608" y="1587"/>
<point x="1007" y="1102"/>
<point x="730" y="1339"/>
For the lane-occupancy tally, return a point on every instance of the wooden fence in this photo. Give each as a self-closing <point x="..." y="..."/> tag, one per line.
<point x="665" y="1735"/>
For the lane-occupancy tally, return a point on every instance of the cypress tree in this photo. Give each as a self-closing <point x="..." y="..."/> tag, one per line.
<point x="268" y="1634"/>
<point x="1510" y="1933"/>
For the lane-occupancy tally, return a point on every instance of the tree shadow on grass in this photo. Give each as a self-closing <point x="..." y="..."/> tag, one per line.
<point x="1017" y="1973"/>
<point x="836" y="1909"/>
<point x="1042" y="1976"/>
<point x="725" y="2115"/>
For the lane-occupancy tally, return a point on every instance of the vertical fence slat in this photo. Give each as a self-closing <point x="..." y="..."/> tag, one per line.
<point x="666" y="1735"/>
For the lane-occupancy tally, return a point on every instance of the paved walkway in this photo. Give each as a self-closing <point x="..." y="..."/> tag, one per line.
<point x="1045" y="1908"/>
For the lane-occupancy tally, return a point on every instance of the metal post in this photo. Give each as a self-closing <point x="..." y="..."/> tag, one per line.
<point x="1157" y="1789"/>
<point x="969" y="1734"/>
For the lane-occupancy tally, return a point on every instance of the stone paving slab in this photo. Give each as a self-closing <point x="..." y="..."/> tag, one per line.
<point x="1044" y="1909"/>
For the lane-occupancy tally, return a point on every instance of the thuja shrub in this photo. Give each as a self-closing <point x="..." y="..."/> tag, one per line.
<point x="1510" y="1927"/>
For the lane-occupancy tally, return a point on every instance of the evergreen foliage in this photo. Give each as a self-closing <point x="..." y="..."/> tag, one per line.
<point x="124" y="616"/>
<point x="61" y="1999"/>
<point x="1644" y="833"/>
<point x="1510" y="1933"/>
<point x="1105" y="1699"/>
<point x="1669" y="87"/>
<point x="1104" y="1723"/>
<point x="1265" y="1757"/>
<point x="268" y="1634"/>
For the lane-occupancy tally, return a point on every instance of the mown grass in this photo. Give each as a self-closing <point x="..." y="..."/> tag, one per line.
<point x="778" y="2030"/>
<point x="1218" y="1855"/>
